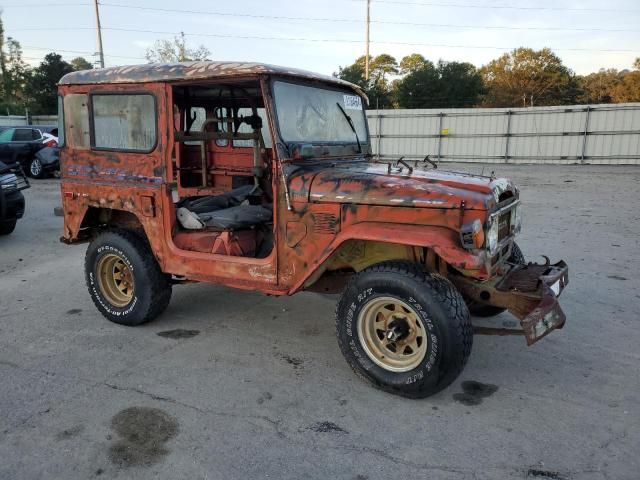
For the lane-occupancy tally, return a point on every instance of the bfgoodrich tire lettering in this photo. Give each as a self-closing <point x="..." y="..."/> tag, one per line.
<point x="152" y="288"/>
<point x="441" y="311"/>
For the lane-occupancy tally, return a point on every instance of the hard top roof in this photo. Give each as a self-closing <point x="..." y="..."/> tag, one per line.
<point x="174" y="72"/>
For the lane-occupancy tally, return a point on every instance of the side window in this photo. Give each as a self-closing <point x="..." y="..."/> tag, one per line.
<point x="6" y="135"/>
<point x="124" y="122"/>
<point x="22" y="135"/>
<point x="76" y="121"/>
<point x="200" y="115"/>
<point x="244" y="128"/>
<point x="35" y="134"/>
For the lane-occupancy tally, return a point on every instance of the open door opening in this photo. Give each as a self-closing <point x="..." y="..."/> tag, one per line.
<point x="223" y="190"/>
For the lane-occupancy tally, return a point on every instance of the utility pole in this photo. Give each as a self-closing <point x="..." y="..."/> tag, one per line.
<point x="99" y="34"/>
<point x="366" y="57"/>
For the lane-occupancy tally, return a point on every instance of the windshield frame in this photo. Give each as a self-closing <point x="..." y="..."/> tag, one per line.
<point x="364" y="142"/>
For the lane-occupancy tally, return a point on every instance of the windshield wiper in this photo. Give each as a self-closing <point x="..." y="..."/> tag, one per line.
<point x="353" y="128"/>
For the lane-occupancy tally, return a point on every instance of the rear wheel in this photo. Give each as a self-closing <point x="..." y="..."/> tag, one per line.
<point x="124" y="279"/>
<point x="479" y="309"/>
<point x="36" y="170"/>
<point x="8" y="226"/>
<point x="404" y="330"/>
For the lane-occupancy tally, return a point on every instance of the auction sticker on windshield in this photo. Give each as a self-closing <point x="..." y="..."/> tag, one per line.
<point x="352" y="102"/>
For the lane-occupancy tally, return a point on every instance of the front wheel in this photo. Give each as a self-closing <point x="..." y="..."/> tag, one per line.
<point x="124" y="279"/>
<point x="404" y="330"/>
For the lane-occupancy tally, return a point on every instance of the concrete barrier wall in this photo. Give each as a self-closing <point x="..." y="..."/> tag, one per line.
<point x="592" y="134"/>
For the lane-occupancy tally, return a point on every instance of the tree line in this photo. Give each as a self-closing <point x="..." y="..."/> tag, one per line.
<point x="23" y="87"/>
<point x="522" y="77"/>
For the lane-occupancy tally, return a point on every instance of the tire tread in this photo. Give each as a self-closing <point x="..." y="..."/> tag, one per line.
<point x="158" y="281"/>
<point x="448" y="297"/>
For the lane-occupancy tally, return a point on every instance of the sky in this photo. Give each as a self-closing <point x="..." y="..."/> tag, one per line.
<point x="322" y="35"/>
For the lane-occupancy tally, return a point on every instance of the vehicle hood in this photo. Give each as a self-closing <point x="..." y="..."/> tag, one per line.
<point x="372" y="184"/>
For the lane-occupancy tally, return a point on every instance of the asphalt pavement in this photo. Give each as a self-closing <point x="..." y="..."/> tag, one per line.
<point x="229" y="384"/>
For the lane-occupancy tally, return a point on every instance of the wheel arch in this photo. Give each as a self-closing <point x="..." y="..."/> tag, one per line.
<point x="366" y="244"/>
<point x="85" y="225"/>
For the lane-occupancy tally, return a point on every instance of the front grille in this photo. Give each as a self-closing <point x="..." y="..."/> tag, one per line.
<point x="11" y="185"/>
<point x="504" y="226"/>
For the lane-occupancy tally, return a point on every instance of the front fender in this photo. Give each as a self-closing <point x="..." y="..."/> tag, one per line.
<point x="443" y="241"/>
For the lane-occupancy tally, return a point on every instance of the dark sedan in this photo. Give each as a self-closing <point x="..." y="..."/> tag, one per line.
<point x="20" y="144"/>
<point x="12" y="181"/>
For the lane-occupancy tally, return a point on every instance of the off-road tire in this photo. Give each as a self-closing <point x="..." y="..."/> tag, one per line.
<point x="441" y="310"/>
<point x="478" y="309"/>
<point x="152" y="290"/>
<point x="8" y="226"/>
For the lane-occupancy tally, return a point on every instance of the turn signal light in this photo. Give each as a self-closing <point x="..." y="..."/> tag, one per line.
<point x="472" y="235"/>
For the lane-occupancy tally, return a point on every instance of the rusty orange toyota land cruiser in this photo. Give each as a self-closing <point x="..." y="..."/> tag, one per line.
<point x="261" y="178"/>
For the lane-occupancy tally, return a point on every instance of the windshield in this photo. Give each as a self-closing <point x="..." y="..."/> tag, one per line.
<point x="313" y="114"/>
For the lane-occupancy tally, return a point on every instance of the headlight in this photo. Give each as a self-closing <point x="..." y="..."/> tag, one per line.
<point x="7" y="182"/>
<point x="492" y="236"/>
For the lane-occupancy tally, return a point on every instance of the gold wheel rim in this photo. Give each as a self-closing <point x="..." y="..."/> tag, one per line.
<point x="392" y="334"/>
<point x="115" y="280"/>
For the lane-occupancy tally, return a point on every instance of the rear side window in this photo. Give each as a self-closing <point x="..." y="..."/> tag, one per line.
<point x="76" y="121"/>
<point x="22" y="135"/>
<point x="35" y="134"/>
<point x="6" y="135"/>
<point x="124" y="122"/>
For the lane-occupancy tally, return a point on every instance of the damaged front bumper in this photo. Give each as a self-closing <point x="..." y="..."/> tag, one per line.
<point x="530" y="292"/>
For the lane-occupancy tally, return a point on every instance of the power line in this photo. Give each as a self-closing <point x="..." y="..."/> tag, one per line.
<point x="328" y="40"/>
<point x="393" y="2"/>
<point x="85" y="52"/>
<point x="344" y="40"/>
<point x="347" y="20"/>
<point x="503" y="7"/>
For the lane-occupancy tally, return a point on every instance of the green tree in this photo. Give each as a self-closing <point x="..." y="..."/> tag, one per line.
<point x="381" y="67"/>
<point x="378" y="87"/>
<point x="412" y="63"/>
<point x="175" y="50"/>
<point x="535" y="76"/>
<point x="354" y="73"/>
<point x="15" y="74"/>
<point x="460" y="84"/>
<point x="80" y="63"/>
<point x="449" y="85"/>
<point x="41" y="88"/>
<point x="598" y="87"/>
<point x="628" y="90"/>
<point x="418" y="89"/>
